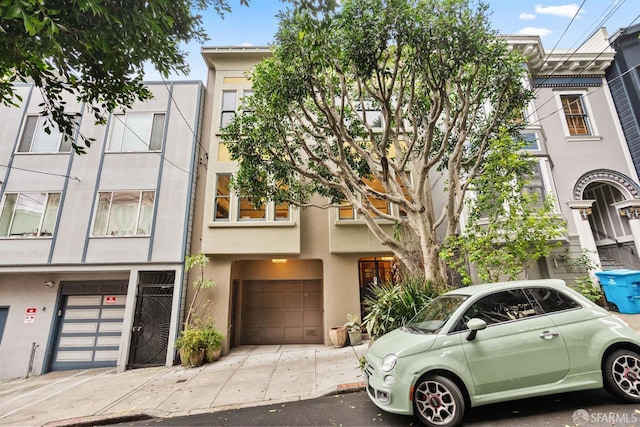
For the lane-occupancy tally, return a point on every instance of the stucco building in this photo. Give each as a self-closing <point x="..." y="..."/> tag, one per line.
<point x="92" y="246"/>
<point x="287" y="276"/>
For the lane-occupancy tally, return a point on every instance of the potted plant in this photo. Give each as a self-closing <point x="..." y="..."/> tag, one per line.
<point x="192" y="344"/>
<point x="338" y="335"/>
<point x="354" y="328"/>
<point x="214" y="339"/>
<point x="198" y="335"/>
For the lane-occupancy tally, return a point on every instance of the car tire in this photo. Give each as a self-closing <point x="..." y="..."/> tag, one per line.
<point x="438" y="401"/>
<point x="622" y="375"/>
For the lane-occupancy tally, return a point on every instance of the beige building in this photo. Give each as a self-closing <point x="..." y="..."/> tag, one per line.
<point x="287" y="276"/>
<point x="283" y="275"/>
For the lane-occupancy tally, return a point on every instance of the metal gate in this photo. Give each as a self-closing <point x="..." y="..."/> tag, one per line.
<point x="152" y="319"/>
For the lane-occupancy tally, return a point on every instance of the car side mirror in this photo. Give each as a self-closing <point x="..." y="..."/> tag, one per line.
<point x="474" y="326"/>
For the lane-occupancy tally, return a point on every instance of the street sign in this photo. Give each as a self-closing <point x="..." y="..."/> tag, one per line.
<point x="30" y="315"/>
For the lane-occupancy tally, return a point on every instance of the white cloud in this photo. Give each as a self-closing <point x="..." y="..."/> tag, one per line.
<point x="565" y="11"/>
<point x="527" y="16"/>
<point x="535" y="31"/>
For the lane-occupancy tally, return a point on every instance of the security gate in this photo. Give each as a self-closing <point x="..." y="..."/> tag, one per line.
<point x="90" y="323"/>
<point x="152" y="319"/>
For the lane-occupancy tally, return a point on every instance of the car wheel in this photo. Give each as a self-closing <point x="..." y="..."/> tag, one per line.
<point x="437" y="401"/>
<point x="622" y="375"/>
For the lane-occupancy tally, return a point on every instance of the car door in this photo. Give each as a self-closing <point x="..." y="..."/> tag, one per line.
<point x="519" y="348"/>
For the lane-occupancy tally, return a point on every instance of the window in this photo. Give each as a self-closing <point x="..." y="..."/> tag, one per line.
<point x="346" y="211"/>
<point x="248" y="212"/>
<point x="282" y="211"/>
<point x="137" y="132"/>
<point x="223" y="198"/>
<point x="575" y="115"/>
<point x="535" y="185"/>
<point x="124" y="213"/>
<point x="500" y="307"/>
<point x="244" y="209"/>
<point x="531" y="140"/>
<point x="228" y="107"/>
<point x="551" y="300"/>
<point x="29" y="214"/>
<point x="41" y="136"/>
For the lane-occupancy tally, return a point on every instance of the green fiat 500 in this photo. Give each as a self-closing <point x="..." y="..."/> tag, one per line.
<point x="502" y="341"/>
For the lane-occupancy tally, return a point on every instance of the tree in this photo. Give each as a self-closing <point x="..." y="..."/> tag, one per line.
<point x="508" y="228"/>
<point x="376" y="103"/>
<point x="94" y="49"/>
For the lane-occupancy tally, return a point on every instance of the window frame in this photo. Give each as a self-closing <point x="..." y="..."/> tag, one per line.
<point x="107" y="220"/>
<point x="45" y="215"/>
<point x="63" y="143"/>
<point x="582" y="95"/>
<point x="235" y="204"/>
<point x="153" y="143"/>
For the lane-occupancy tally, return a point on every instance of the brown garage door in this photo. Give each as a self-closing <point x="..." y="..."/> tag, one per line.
<point x="282" y="312"/>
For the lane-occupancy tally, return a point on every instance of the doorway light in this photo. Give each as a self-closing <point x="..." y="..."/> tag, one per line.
<point x="278" y="260"/>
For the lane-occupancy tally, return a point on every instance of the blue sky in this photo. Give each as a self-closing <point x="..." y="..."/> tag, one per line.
<point x="255" y="25"/>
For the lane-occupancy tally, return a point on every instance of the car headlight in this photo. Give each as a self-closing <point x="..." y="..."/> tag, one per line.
<point x="389" y="362"/>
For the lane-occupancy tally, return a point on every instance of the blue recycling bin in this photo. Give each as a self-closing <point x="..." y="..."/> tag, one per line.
<point x="622" y="288"/>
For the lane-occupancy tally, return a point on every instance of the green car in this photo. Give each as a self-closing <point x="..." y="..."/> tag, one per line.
<point x="491" y="343"/>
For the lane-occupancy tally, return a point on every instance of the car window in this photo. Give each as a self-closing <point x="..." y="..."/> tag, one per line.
<point x="552" y="300"/>
<point x="499" y="307"/>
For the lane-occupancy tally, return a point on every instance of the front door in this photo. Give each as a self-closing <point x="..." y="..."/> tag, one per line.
<point x="152" y="320"/>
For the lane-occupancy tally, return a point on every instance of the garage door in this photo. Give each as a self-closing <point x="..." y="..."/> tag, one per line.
<point x="282" y="312"/>
<point x="89" y="331"/>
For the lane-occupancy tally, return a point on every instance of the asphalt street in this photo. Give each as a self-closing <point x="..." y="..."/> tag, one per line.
<point x="594" y="408"/>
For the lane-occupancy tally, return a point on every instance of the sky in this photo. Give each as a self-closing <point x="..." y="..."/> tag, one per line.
<point x="552" y="20"/>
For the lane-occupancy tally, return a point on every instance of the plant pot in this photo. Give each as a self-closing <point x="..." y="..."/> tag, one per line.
<point x="338" y="335"/>
<point x="212" y="354"/>
<point x="355" y="337"/>
<point x="191" y="358"/>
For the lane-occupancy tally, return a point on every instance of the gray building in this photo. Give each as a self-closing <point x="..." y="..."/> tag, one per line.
<point x="623" y="77"/>
<point x="92" y="246"/>
<point x="584" y="161"/>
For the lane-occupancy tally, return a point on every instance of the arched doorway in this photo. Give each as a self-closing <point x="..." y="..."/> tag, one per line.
<point x="611" y="229"/>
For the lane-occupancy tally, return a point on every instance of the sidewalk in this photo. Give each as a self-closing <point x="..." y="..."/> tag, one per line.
<point x="247" y="376"/>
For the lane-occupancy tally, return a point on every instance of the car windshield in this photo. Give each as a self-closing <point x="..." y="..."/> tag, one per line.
<point x="434" y="315"/>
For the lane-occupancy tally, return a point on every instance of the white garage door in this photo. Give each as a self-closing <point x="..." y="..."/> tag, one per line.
<point x="89" y="332"/>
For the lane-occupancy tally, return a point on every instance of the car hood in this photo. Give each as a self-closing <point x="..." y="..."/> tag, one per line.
<point x="402" y="343"/>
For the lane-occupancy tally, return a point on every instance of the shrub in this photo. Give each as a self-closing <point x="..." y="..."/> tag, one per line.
<point x="392" y="305"/>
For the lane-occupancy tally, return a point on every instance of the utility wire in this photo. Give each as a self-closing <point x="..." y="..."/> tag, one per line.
<point x="589" y="31"/>
<point x="195" y="135"/>
<point x="582" y="72"/>
<point x="41" y="172"/>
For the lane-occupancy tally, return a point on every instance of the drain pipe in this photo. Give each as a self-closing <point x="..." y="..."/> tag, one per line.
<point x="34" y="348"/>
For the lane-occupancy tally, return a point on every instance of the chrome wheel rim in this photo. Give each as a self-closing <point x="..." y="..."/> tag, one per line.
<point x="435" y="402"/>
<point x="626" y="374"/>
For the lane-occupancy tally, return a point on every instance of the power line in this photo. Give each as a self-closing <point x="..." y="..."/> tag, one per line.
<point x="582" y="72"/>
<point x="195" y="135"/>
<point x="589" y="30"/>
<point x="146" y="144"/>
<point x="594" y="91"/>
<point x="41" y="172"/>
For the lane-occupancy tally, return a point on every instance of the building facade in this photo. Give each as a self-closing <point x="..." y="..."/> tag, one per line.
<point x="92" y="246"/>
<point x="287" y="276"/>
<point x="623" y="77"/>
<point x="583" y="158"/>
